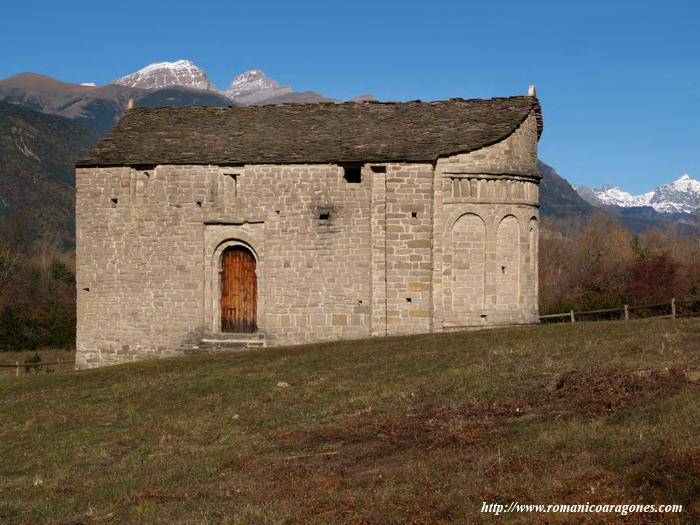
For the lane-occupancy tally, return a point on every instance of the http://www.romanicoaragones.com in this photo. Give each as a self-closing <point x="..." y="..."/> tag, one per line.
<point x="579" y="508"/>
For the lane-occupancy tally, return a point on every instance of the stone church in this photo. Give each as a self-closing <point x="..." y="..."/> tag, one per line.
<point x="214" y="229"/>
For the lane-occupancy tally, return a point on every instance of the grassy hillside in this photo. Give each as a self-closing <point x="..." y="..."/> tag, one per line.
<point x="413" y="429"/>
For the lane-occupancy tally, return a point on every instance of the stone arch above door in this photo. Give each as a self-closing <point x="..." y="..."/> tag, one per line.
<point x="217" y="239"/>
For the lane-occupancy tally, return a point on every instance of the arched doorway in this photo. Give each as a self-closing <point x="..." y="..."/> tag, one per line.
<point x="239" y="290"/>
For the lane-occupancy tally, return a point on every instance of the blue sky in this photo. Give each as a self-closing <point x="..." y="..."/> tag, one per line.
<point x="618" y="80"/>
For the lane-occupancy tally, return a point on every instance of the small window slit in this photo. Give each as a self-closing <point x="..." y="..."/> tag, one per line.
<point x="352" y="174"/>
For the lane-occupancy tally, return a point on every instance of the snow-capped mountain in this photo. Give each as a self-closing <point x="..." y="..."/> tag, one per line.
<point x="609" y="195"/>
<point x="250" y="88"/>
<point x="164" y="74"/>
<point x="680" y="196"/>
<point x="254" y="86"/>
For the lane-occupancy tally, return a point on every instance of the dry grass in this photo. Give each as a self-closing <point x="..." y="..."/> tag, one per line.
<point x="400" y="430"/>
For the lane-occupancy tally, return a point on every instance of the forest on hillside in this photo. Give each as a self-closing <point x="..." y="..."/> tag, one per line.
<point x="596" y="263"/>
<point x="37" y="289"/>
<point x="584" y="264"/>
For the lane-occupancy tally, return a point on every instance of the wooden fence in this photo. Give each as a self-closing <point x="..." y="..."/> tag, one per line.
<point x="675" y="308"/>
<point x="37" y="367"/>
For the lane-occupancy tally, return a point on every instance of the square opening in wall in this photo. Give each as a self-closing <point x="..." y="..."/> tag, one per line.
<point x="414" y="214"/>
<point x="324" y="216"/>
<point x="114" y="202"/>
<point x="352" y="174"/>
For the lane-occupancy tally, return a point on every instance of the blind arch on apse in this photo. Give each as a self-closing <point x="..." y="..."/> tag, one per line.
<point x="468" y="263"/>
<point x="508" y="264"/>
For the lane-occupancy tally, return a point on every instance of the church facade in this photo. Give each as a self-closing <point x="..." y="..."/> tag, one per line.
<point x="220" y="229"/>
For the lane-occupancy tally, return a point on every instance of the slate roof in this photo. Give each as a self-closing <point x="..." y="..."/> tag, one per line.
<point x="310" y="133"/>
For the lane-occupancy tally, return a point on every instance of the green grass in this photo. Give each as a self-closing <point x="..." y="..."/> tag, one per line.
<point x="413" y="429"/>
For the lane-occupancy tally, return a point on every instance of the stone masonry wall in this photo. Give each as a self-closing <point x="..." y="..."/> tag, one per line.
<point x="485" y="234"/>
<point x="411" y="248"/>
<point x="409" y="224"/>
<point x="138" y="263"/>
<point x="143" y="272"/>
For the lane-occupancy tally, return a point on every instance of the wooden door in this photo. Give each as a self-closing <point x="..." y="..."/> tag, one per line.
<point x="239" y="291"/>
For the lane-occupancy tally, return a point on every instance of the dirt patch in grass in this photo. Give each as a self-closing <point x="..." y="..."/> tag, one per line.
<point x="329" y="469"/>
<point x="426" y="425"/>
<point x="588" y="393"/>
<point x="670" y="475"/>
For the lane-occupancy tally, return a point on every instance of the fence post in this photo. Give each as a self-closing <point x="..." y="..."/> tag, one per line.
<point x="573" y="317"/>
<point x="17" y="369"/>
<point x="673" y="308"/>
<point x="627" y="313"/>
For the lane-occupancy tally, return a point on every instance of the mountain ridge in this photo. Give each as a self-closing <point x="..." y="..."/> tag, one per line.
<point x="174" y="84"/>
<point x="254" y="86"/>
<point x="166" y="74"/>
<point x="97" y="107"/>
<point x="37" y="176"/>
<point x="249" y="88"/>
<point x="681" y="196"/>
